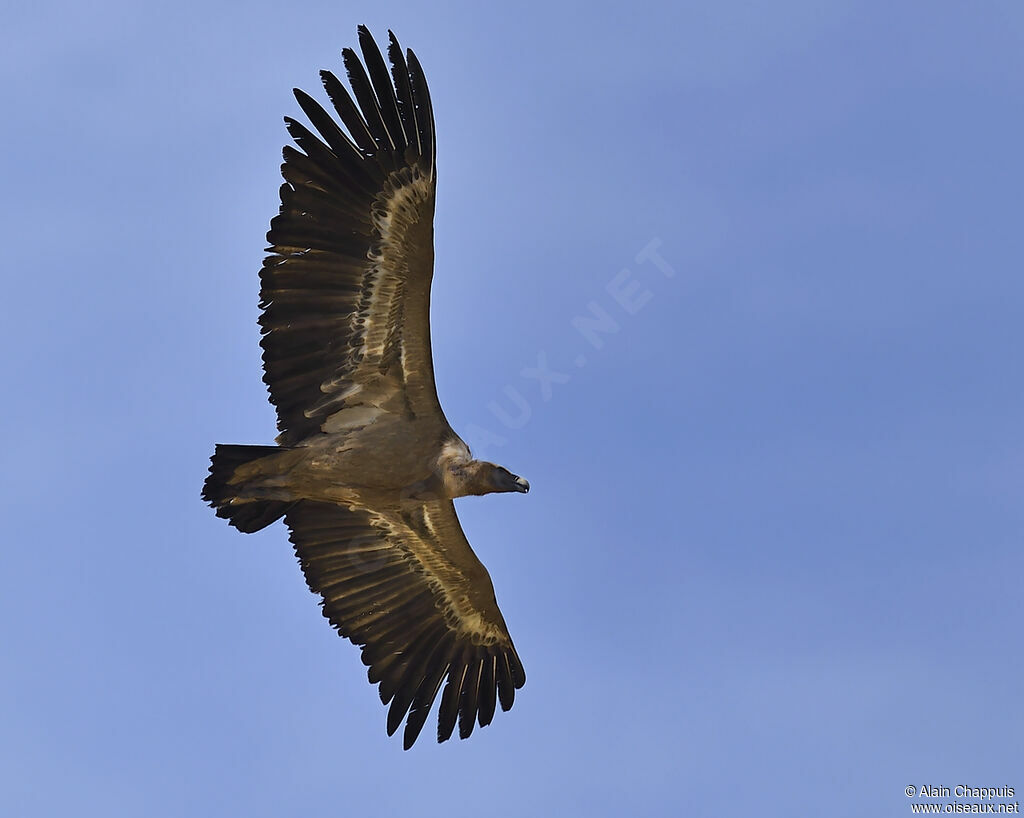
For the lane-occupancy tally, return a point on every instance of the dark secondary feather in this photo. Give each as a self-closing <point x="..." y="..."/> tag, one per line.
<point x="377" y="592"/>
<point x="322" y="294"/>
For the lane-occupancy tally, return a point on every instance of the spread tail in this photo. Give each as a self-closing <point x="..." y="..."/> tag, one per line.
<point x="243" y="513"/>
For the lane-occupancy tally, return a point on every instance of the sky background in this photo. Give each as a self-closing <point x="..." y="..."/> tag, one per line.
<point x="771" y="564"/>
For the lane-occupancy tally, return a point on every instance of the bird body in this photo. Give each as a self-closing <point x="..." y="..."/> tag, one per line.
<point x="366" y="465"/>
<point x="348" y="468"/>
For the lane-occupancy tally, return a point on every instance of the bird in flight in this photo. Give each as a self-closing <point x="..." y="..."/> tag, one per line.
<point x="366" y="466"/>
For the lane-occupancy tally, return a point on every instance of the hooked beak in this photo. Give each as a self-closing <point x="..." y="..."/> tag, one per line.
<point x="503" y="480"/>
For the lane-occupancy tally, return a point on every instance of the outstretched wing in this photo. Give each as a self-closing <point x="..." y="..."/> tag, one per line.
<point x="408" y="588"/>
<point x="345" y="289"/>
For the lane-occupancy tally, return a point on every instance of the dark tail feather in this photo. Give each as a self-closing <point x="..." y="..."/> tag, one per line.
<point x="248" y="516"/>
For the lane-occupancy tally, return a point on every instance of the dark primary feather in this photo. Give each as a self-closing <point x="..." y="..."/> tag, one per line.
<point x="448" y="713"/>
<point x="379" y="594"/>
<point x="349" y="113"/>
<point x="403" y="95"/>
<point x="335" y="137"/>
<point x="470" y="694"/>
<point x="424" y="110"/>
<point x="382" y="87"/>
<point x="367" y="101"/>
<point x="488" y="689"/>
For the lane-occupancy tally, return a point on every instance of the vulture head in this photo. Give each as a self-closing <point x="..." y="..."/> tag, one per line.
<point x="503" y="480"/>
<point x="480" y="477"/>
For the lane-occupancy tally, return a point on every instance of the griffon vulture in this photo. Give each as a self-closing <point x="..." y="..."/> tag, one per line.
<point x="366" y="465"/>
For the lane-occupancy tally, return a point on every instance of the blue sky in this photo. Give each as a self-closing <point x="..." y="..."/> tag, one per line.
<point x="771" y="563"/>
